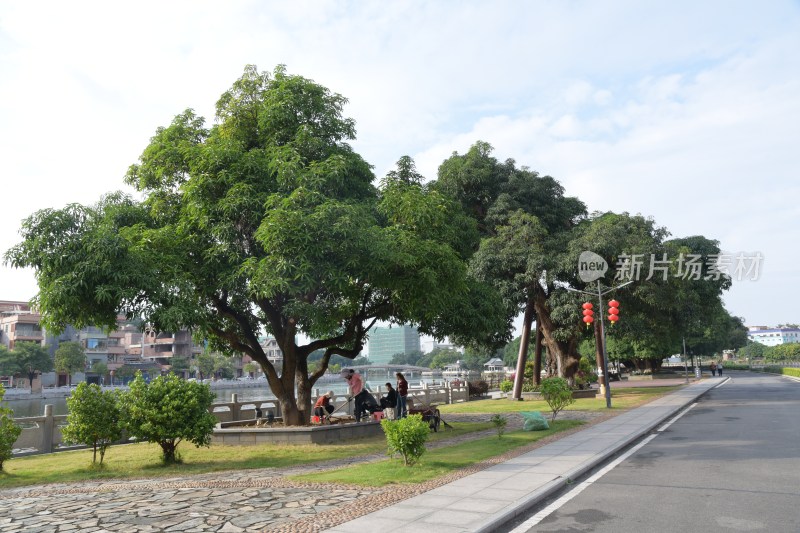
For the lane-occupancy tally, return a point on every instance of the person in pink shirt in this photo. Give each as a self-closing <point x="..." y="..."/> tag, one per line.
<point x="356" y="383"/>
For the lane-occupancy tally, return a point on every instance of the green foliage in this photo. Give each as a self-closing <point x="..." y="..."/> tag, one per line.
<point x="511" y="352"/>
<point x="250" y="368"/>
<point x="168" y="411"/>
<point x="586" y="373"/>
<point x="499" y="422"/>
<point x="100" y="368"/>
<point x="786" y="371"/>
<point x="557" y="393"/>
<point x="411" y="358"/>
<point x="752" y="350"/>
<point x="69" y="358"/>
<point x="9" y="430"/>
<point x="266" y="222"/>
<point x="94" y="419"/>
<point x="407" y="437"/>
<point x="26" y="359"/>
<point x="506" y="385"/>
<point x="783" y="352"/>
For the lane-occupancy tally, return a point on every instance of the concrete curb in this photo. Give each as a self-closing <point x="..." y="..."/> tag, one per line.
<point x="522" y="506"/>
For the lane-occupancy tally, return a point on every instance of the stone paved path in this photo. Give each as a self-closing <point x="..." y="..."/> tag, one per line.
<point x="237" y="501"/>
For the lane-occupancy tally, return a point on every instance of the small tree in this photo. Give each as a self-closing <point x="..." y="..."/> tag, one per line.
<point x="407" y="437"/>
<point x="70" y="358"/>
<point x="101" y="369"/>
<point x="499" y="422"/>
<point x="251" y="368"/>
<point x="9" y="430"/>
<point x="167" y="411"/>
<point x="28" y="358"/>
<point x="93" y="419"/>
<point x="557" y="393"/>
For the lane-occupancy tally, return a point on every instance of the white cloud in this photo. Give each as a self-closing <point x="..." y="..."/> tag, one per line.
<point x="686" y="112"/>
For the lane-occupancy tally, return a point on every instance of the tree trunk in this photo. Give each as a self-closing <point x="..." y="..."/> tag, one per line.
<point x="522" y="357"/>
<point x="564" y="353"/>
<point x="537" y="357"/>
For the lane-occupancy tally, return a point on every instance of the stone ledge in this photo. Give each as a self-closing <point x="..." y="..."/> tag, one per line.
<point x="233" y="434"/>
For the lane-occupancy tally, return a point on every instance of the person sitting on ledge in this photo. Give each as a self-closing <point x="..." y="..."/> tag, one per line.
<point x="390" y="400"/>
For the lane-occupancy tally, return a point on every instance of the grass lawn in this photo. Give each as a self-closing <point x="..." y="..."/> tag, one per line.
<point x="620" y="399"/>
<point x="131" y="461"/>
<point x="434" y="463"/>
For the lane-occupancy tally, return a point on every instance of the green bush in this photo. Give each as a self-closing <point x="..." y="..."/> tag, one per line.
<point x="477" y="388"/>
<point x="506" y="386"/>
<point x="557" y="393"/>
<point x="9" y="430"/>
<point x="94" y="419"/>
<point x="499" y="422"/>
<point x="407" y="437"/>
<point x="168" y="411"/>
<point x="786" y="371"/>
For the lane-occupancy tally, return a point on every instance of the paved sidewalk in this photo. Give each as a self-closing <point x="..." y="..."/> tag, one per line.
<point x="485" y="500"/>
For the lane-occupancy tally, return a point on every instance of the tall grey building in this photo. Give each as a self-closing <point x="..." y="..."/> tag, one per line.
<point x="384" y="342"/>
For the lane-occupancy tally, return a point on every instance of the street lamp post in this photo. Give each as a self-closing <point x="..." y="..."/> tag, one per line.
<point x="600" y="293"/>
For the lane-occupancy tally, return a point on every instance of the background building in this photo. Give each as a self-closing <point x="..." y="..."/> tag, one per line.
<point x="384" y="342"/>
<point x="773" y="336"/>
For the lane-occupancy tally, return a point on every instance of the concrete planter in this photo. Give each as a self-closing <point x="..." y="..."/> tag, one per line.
<point x="650" y="377"/>
<point x="235" y="434"/>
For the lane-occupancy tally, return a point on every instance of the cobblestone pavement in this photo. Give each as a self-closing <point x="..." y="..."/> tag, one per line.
<point x="236" y="501"/>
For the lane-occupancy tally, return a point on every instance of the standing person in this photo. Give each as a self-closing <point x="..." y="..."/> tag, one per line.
<point x="356" y="384"/>
<point x="719" y="368"/>
<point x="713" y="368"/>
<point x="401" y="411"/>
<point x="323" y="405"/>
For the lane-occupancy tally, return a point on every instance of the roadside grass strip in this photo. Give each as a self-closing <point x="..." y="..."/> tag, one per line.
<point x="434" y="463"/>
<point x="620" y="399"/>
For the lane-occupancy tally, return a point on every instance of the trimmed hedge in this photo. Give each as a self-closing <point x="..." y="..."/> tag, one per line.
<point x="786" y="371"/>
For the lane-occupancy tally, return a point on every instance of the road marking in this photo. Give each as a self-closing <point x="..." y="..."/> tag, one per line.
<point x="723" y="383"/>
<point x="668" y="424"/>
<point x="544" y="513"/>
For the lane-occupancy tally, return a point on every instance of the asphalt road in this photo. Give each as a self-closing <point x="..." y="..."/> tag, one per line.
<point x="730" y="463"/>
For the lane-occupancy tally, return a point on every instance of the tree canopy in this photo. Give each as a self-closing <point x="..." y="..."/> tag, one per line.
<point x="26" y="359"/>
<point x="266" y="221"/>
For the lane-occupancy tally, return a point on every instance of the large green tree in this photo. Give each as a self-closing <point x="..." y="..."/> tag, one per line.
<point x="69" y="358"/>
<point x="266" y="222"/>
<point x="26" y="359"/>
<point x="525" y="220"/>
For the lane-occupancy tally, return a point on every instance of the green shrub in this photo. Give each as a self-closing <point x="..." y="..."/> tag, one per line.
<point x="407" y="437"/>
<point x="167" y="411"/>
<point x="786" y="371"/>
<point x="94" y="419"/>
<point x="557" y="394"/>
<point x="9" y="430"/>
<point x="499" y="422"/>
<point x="506" y="385"/>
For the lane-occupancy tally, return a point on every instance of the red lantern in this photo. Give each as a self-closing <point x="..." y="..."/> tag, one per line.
<point x="613" y="311"/>
<point x="588" y="314"/>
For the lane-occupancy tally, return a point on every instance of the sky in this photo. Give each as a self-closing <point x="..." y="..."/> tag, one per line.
<point x="687" y="112"/>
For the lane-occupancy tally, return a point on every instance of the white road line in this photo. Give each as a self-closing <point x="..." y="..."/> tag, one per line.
<point x="544" y="513"/>
<point x="724" y="382"/>
<point x="668" y="424"/>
